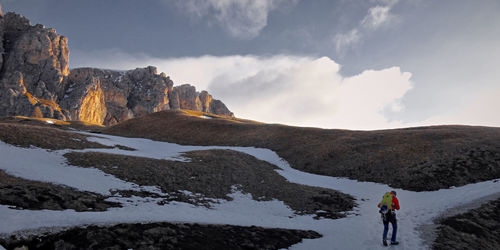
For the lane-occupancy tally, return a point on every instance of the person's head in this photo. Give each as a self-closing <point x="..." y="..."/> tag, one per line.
<point x="393" y="192"/>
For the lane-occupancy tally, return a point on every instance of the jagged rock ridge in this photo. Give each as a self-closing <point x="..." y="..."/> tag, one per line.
<point x="35" y="81"/>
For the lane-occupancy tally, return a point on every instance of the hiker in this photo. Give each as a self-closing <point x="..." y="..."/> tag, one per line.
<point x="387" y="206"/>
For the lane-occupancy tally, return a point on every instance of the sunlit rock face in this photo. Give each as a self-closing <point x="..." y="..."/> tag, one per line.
<point x="137" y="92"/>
<point x="34" y="67"/>
<point x="125" y="94"/>
<point x="35" y="81"/>
<point x="186" y="97"/>
<point x="85" y="102"/>
<point x="93" y="108"/>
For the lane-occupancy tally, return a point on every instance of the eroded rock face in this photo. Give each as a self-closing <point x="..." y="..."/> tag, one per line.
<point x="131" y="94"/>
<point x="34" y="67"/>
<point x="35" y="81"/>
<point x="186" y="97"/>
<point x="38" y="53"/>
<point x="124" y="94"/>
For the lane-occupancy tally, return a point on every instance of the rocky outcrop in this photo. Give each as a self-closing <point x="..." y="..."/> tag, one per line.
<point x="35" y="81"/>
<point x="109" y="97"/>
<point x="33" y="68"/>
<point x="186" y="97"/>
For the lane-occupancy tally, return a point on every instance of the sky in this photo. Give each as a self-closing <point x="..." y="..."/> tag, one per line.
<point x="365" y="64"/>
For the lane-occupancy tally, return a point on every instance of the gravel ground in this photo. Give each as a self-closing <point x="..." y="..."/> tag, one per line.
<point x="164" y="236"/>
<point x="34" y="195"/>
<point x="478" y="228"/>
<point x="213" y="173"/>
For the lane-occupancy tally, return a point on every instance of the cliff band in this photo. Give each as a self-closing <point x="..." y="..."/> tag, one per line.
<point x="35" y="80"/>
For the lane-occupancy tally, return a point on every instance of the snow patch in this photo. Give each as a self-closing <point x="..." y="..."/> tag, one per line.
<point x="50" y="166"/>
<point x="361" y="229"/>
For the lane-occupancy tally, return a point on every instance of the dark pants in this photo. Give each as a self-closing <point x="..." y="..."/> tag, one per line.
<point x="390" y="217"/>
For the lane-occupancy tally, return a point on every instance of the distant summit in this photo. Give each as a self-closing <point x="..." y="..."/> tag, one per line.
<point x="35" y="81"/>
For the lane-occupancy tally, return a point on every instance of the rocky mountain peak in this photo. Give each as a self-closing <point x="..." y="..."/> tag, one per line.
<point x="35" y="80"/>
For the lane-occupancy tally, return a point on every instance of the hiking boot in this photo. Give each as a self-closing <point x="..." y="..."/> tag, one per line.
<point x="384" y="242"/>
<point x="394" y="242"/>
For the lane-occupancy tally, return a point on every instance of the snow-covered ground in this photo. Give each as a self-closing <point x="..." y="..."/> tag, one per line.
<point x="361" y="229"/>
<point x="205" y="117"/>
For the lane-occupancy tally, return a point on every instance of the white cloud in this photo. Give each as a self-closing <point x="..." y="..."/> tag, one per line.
<point x="347" y="40"/>
<point x="292" y="90"/>
<point x="377" y="17"/>
<point x="298" y="90"/>
<point x="240" y="18"/>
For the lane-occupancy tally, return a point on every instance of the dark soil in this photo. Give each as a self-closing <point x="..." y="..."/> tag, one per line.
<point x="417" y="159"/>
<point x="164" y="236"/>
<point x="34" y="195"/>
<point x="476" y="229"/>
<point x="213" y="173"/>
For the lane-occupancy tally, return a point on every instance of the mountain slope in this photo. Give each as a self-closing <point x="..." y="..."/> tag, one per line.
<point x="360" y="229"/>
<point x="425" y="158"/>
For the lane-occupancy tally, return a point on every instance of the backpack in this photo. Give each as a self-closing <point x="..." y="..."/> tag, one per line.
<point x="385" y="206"/>
<point x="386" y="201"/>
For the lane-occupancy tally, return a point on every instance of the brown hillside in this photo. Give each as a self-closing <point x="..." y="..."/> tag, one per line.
<point x="214" y="173"/>
<point x="424" y="158"/>
<point x="475" y="229"/>
<point x="35" y="132"/>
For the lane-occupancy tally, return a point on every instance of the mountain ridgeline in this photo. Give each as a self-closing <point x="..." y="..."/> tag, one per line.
<point x="35" y="81"/>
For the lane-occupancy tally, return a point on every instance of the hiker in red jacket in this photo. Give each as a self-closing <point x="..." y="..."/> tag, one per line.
<point x="389" y="215"/>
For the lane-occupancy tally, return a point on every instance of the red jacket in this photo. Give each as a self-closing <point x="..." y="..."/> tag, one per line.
<point x="395" y="203"/>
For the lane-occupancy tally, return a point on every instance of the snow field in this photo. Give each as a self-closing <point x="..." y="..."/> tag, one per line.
<point x="362" y="229"/>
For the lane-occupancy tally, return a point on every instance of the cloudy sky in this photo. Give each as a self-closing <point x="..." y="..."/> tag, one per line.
<point x="360" y="64"/>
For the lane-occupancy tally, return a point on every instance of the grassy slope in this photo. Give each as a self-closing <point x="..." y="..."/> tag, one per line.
<point x="43" y="137"/>
<point x="425" y="158"/>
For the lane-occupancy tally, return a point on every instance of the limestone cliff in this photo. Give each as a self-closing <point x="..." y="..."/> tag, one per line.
<point x="34" y="66"/>
<point x="35" y="81"/>
<point x="124" y="94"/>
<point x="186" y="97"/>
<point x="131" y="94"/>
